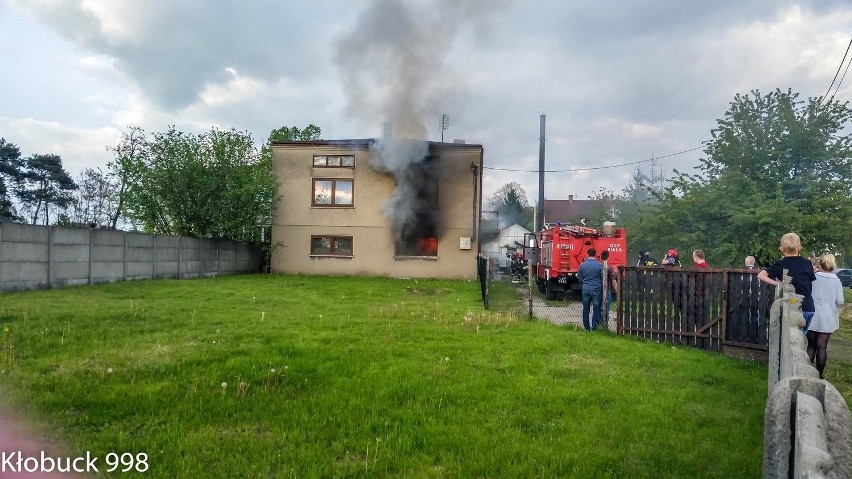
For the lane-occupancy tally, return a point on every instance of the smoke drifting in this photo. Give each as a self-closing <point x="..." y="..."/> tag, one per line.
<point x="393" y="70"/>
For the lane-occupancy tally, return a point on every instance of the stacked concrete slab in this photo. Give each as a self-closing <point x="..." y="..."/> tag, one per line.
<point x="807" y="426"/>
<point x="50" y="257"/>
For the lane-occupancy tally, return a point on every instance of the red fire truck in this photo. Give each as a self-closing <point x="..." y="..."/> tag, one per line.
<point x="557" y="252"/>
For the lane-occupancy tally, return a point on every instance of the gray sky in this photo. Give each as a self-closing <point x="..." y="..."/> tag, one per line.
<point x="619" y="81"/>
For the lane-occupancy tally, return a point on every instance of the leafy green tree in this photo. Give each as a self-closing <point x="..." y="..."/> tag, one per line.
<point x="130" y="151"/>
<point x="215" y="184"/>
<point x="774" y="164"/>
<point x="10" y="174"/>
<point x="511" y="203"/>
<point x="44" y="185"/>
<point x="292" y="133"/>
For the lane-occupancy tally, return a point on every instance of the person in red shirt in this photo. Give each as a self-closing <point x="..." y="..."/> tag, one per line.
<point x="698" y="259"/>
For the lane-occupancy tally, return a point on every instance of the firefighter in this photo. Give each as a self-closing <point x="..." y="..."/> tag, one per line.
<point x="645" y="259"/>
<point x="672" y="260"/>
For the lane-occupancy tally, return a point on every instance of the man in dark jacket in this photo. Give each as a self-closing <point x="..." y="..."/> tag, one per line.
<point x="590" y="275"/>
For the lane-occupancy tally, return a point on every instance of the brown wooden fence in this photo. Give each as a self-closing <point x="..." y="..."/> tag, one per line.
<point x="718" y="309"/>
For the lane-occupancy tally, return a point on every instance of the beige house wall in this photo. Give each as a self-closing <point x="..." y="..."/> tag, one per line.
<point x="295" y="220"/>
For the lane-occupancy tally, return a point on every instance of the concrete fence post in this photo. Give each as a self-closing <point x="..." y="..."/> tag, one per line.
<point x="91" y="239"/>
<point x="1" y="255"/>
<point x="124" y="258"/>
<point x="200" y="257"/>
<point x="49" y="256"/>
<point x="180" y="238"/>
<point x="154" y="257"/>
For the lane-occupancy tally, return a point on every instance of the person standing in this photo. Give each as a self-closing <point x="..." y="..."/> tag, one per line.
<point x="611" y="284"/>
<point x="672" y="260"/>
<point x="828" y="298"/>
<point x="590" y="275"/>
<point x="698" y="259"/>
<point x="801" y="273"/>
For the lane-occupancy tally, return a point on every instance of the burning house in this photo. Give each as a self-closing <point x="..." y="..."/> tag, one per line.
<point x="377" y="207"/>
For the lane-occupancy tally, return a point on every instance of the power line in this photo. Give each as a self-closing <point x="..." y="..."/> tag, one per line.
<point x="841" y="78"/>
<point x="594" y="167"/>
<point x="838" y="69"/>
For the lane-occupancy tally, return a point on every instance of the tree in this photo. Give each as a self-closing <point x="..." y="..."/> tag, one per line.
<point x="44" y="185"/>
<point x="131" y="150"/>
<point x="95" y="200"/>
<point x="10" y="174"/>
<point x="292" y="133"/>
<point x="775" y="164"/>
<point x="215" y="184"/>
<point x="512" y="205"/>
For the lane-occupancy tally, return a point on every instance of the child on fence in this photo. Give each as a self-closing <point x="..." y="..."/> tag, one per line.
<point x="801" y="272"/>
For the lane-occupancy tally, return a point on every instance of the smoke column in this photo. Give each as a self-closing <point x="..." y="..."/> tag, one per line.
<point x="392" y="67"/>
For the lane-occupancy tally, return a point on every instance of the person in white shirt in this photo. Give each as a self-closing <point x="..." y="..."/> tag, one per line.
<point x="828" y="298"/>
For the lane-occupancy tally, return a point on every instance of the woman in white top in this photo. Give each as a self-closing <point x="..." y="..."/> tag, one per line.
<point x="828" y="297"/>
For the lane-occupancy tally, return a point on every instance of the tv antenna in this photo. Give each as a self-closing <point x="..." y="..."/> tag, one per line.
<point x="444" y="123"/>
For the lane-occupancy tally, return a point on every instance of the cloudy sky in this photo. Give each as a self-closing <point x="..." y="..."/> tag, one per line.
<point x="619" y="81"/>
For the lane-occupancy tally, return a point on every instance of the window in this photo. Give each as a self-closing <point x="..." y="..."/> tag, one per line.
<point x="331" y="246"/>
<point x="334" y="161"/>
<point x="333" y="192"/>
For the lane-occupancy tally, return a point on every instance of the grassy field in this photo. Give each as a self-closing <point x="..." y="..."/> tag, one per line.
<point x="294" y="376"/>
<point x="838" y="368"/>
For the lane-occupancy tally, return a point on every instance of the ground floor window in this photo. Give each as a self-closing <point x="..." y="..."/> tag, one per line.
<point x="331" y="245"/>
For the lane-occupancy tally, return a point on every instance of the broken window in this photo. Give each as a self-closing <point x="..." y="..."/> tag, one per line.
<point x="419" y="235"/>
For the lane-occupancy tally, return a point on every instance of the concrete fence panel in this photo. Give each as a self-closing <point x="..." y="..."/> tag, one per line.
<point x="807" y="425"/>
<point x="34" y="256"/>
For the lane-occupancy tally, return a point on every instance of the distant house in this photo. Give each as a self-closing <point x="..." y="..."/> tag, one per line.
<point x="377" y="207"/>
<point x="500" y="248"/>
<point x="574" y="212"/>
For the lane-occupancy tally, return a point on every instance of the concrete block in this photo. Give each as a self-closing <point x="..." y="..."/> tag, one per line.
<point x="106" y="271"/>
<point x="140" y="240"/>
<point x="70" y="236"/>
<point x="811" y="457"/>
<point x="25" y="272"/>
<point x="838" y="433"/>
<point x="23" y="252"/>
<point x="166" y="254"/>
<point x="141" y="269"/>
<point x="69" y="252"/>
<point x="106" y="253"/>
<point x="167" y="269"/>
<point x="107" y="238"/>
<point x="140" y="254"/>
<point x="21" y="233"/>
<point x="164" y="241"/>
<point x="65" y="271"/>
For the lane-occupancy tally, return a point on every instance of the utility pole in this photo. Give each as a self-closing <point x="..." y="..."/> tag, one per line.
<point x="539" y="217"/>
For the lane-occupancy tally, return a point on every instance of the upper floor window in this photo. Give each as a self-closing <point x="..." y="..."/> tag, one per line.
<point x="333" y="192"/>
<point x="334" y="161"/>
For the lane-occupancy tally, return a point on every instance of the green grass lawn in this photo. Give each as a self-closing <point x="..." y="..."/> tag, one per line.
<point x="838" y="368"/>
<point x="295" y="376"/>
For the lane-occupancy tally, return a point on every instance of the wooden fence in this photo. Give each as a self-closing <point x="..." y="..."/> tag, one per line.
<point x="720" y="309"/>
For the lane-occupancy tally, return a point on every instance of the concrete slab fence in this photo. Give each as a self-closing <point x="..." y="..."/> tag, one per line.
<point x="807" y="427"/>
<point x="33" y="257"/>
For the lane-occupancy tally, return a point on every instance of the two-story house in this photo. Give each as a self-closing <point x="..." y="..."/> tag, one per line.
<point x="377" y="207"/>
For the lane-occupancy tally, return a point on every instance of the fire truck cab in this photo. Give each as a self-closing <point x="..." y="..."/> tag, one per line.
<point x="561" y="249"/>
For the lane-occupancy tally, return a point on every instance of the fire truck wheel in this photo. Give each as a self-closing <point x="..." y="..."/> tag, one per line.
<point x="549" y="294"/>
<point x="540" y="286"/>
